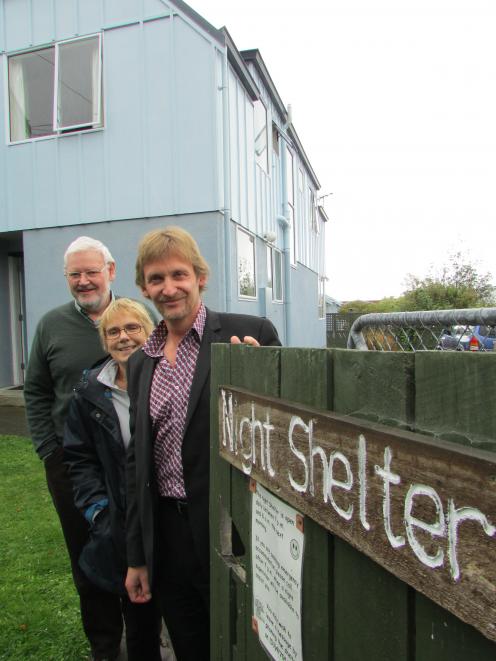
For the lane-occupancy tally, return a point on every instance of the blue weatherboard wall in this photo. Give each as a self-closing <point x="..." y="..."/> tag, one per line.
<point x="44" y="251"/>
<point x="177" y="147"/>
<point x="157" y="154"/>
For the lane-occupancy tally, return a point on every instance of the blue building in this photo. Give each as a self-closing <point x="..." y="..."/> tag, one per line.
<point x="121" y="116"/>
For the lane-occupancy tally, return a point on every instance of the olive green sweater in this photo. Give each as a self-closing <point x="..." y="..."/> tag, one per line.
<point x="65" y="343"/>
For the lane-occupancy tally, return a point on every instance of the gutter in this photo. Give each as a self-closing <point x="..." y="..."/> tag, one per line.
<point x="286" y="226"/>
<point x="227" y="182"/>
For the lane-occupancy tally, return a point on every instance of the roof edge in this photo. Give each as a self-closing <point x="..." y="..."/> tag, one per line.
<point x="198" y="19"/>
<point x="237" y="62"/>
<point x="253" y="56"/>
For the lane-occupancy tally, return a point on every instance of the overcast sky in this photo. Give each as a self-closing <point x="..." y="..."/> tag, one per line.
<point x="395" y="104"/>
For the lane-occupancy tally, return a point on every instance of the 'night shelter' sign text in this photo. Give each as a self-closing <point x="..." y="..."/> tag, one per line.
<point x="423" y="509"/>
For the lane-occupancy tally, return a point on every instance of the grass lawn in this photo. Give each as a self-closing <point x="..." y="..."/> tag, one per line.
<point x="39" y="608"/>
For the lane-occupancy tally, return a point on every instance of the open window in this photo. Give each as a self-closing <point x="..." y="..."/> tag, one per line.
<point x="312" y="211"/>
<point x="291" y="204"/>
<point x="274" y="273"/>
<point x="261" y="142"/>
<point x="56" y="90"/>
<point x="247" y="284"/>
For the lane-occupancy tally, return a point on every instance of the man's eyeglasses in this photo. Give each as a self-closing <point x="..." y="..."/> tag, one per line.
<point x="91" y="274"/>
<point x="129" y="329"/>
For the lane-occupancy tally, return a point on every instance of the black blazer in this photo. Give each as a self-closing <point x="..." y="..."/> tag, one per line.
<point x="142" y="491"/>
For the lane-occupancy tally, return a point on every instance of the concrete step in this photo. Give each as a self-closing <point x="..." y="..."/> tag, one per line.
<point x="12" y="396"/>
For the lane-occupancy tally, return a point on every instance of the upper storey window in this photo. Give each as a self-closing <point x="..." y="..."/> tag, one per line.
<point x="261" y="142"/>
<point x="56" y="89"/>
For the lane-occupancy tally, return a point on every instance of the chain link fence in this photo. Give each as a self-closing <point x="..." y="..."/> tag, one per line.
<point x="472" y="329"/>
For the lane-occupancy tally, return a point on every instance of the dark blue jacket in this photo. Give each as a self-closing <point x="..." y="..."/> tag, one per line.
<point x="95" y="455"/>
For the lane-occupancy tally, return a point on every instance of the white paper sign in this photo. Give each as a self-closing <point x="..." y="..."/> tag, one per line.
<point x="277" y="560"/>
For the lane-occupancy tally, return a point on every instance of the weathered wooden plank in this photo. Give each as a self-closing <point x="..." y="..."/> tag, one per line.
<point x="220" y="503"/>
<point x="417" y="506"/>
<point x="374" y="385"/>
<point x="257" y="368"/>
<point x="453" y="392"/>
<point x="440" y="636"/>
<point x="369" y="605"/>
<point x="222" y="615"/>
<point x="378" y="387"/>
<point x="455" y="395"/>
<point x="240" y="619"/>
<point x="306" y="378"/>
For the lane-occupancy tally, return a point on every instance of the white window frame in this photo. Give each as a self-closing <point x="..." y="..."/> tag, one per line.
<point x="57" y="131"/>
<point x="247" y="297"/>
<point x="301" y="197"/>
<point x="261" y="161"/>
<point x="272" y="250"/>
<point x="312" y="209"/>
<point x="56" y="125"/>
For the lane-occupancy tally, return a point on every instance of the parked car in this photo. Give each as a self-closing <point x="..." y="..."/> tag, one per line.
<point x="455" y="338"/>
<point x="482" y="338"/>
<point x="468" y="338"/>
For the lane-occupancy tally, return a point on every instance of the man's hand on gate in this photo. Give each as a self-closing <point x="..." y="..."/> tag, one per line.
<point x="248" y="339"/>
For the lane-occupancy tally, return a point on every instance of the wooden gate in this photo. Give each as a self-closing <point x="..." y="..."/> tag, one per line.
<point x="352" y="607"/>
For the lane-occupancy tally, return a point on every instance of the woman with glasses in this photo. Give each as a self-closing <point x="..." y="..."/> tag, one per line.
<point x="95" y="440"/>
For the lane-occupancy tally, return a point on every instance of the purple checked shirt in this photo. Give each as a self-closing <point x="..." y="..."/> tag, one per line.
<point x="169" y="397"/>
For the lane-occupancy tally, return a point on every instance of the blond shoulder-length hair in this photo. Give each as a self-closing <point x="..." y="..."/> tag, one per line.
<point x="128" y="306"/>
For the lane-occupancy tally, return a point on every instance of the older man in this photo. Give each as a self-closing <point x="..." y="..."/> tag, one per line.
<point x="168" y="458"/>
<point x="67" y="342"/>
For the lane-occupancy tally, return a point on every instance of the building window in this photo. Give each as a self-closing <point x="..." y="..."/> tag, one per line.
<point x="246" y="264"/>
<point x="322" y="281"/>
<point x="312" y="211"/>
<point x="301" y="198"/>
<point x="291" y="203"/>
<point x="275" y="139"/>
<point x="56" y="90"/>
<point x="274" y="273"/>
<point x="261" y="151"/>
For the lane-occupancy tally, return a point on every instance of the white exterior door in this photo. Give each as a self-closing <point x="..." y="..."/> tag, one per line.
<point x="17" y="318"/>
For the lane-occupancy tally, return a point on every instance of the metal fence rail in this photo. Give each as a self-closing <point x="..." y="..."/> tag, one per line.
<point x="420" y="331"/>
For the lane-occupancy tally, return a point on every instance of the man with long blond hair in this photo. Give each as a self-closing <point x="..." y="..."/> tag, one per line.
<point x="168" y="457"/>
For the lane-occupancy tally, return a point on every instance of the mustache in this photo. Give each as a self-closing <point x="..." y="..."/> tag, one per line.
<point x="82" y="288"/>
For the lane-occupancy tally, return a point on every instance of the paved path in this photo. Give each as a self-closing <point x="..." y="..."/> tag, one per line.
<point x="12" y="412"/>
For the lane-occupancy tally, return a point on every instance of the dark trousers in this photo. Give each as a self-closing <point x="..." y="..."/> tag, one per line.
<point x="100" y="611"/>
<point x="143" y="624"/>
<point x="182" y="584"/>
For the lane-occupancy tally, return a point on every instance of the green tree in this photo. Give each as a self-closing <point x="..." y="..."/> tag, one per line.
<point x="458" y="284"/>
<point x="389" y="304"/>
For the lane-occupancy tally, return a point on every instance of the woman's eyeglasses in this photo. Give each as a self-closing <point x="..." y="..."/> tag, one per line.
<point x="129" y="329"/>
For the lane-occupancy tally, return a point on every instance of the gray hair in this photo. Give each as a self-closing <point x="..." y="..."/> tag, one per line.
<point x="86" y="243"/>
